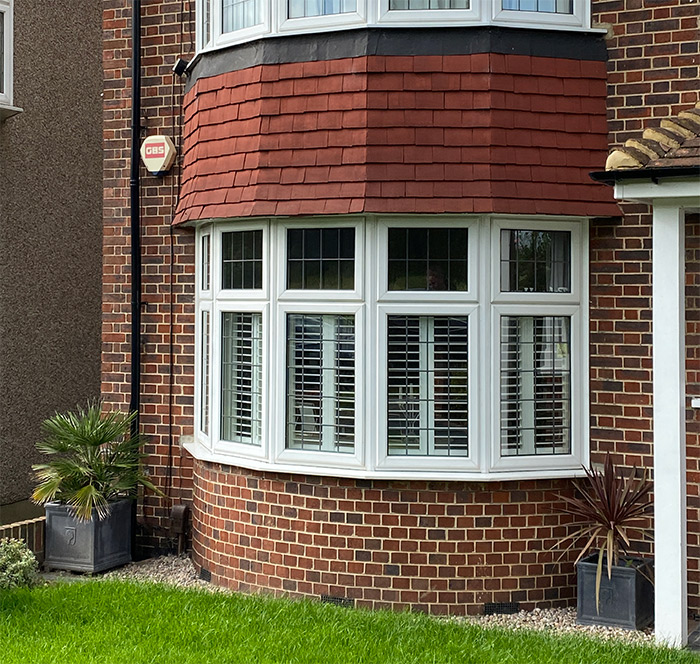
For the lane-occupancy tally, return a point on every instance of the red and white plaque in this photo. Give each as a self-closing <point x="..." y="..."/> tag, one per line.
<point x="158" y="154"/>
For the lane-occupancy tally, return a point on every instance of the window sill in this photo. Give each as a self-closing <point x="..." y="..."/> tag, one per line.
<point x="7" y="111"/>
<point x="203" y="453"/>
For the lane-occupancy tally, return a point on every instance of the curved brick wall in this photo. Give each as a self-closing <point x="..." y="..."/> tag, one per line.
<point x="477" y="133"/>
<point x="440" y="547"/>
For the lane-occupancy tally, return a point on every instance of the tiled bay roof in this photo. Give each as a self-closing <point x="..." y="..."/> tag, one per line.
<point x="674" y="144"/>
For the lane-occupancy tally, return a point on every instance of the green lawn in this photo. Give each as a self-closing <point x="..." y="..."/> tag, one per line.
<point x="115" y="622"/>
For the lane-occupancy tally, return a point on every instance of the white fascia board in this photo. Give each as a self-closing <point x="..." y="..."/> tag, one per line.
<point x="684" y="192"/>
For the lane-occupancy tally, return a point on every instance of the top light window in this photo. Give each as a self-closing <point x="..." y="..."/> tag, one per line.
<point x="543" y="6"/>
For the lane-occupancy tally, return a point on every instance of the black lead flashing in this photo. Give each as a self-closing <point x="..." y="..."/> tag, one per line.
<point x="660" y="173"/>
<point x="361" y="42"/>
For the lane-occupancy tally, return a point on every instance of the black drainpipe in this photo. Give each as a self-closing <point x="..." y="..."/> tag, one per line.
<point x="135" y="402"/>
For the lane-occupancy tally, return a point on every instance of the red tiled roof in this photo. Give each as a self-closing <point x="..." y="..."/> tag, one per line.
<point x="464" y="133"/>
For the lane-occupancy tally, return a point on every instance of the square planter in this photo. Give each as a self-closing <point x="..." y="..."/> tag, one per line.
<point x="626" y="599"/>
<point x="89" y="546"/>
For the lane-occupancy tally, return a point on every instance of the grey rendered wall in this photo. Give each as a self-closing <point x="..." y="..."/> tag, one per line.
<point x="50" y="228"/>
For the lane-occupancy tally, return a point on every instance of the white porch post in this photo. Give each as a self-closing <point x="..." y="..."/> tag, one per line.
<point x="670" y="529"/>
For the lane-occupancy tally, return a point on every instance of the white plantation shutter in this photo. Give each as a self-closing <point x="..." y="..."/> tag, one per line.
<point x="321" y="382"/>
<point x="241" y="377"/>
<point x="427" y="379"/>
<point x="535" y="385"/>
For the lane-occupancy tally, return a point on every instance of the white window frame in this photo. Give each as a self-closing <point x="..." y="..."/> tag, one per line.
<point x="6" y="9"/>
<point x="371" y="303"/>
<point x="572" y="305"/>
<point x="384" y="460"/>
<point x="313" y="458"/>
<point x="407" y="17"/>
<point x="581" y="17"/>
<point x="275" y="19"/>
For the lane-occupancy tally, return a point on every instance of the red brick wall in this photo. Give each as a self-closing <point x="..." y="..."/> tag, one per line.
<point x="397" y="134"/>
<point x="652" y="74"/>
<point x="440" y="547"/>
<point x="168" y="299"/>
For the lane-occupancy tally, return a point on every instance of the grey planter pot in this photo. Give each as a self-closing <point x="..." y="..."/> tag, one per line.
<point x="91" y="546"/>
<point x="626" y="599"/>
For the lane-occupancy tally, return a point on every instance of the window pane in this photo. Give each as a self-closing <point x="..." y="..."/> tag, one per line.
<point x="2" y="52"/>
<point x="302" y="8"/>
<point x="544" y="6"/>
<point x="428" y="385"/>
<point x="535" y="261"/>
<point x="241" y="260"/>
<point x="321" y="382"/>
<point x="321" y="258"/>
<point x="206" y="22"/>
<point x="428" y="259"/>
<point x="241" y="377"/>
<point x="204" y="385"/>
<point x="239" y="14"/>
<point x="428" y="4"/>
<point x="206" y="267"/>
<point x="535" y="385"/>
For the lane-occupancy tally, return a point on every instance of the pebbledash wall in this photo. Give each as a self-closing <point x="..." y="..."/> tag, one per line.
<point x="291" y="127"/>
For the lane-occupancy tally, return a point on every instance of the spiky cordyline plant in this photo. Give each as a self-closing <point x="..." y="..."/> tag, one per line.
<point x="608" y="506"/>
<point x="96" y="461"/>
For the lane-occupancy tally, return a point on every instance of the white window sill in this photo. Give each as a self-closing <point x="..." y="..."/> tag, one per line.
<point x="203" y="453"/>
<point x="7" y="111"/>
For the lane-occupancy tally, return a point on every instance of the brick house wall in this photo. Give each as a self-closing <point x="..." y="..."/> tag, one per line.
<point x="653" y="73"/>
<point x="441" y="547"/>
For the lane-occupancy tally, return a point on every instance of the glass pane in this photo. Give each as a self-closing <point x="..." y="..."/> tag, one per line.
<point x="206" y="267"/>
<point x="302" y="8"/>
<point x="241" y="377"/>
<point x="321" y="258"/>
<point x="428" y="4"/>
<point x="544" y="6"/>
<point x="535" y="261"/>
<point x="2" y="52"/>
<point x="241" y="258"/>
<point x="239" y="14"/>
<point x="204" y="385"/>
<point x="428" y="381"/>
<point x="535" y="385"/>
<point x="321" y="382"/>
<point x="428" y="259"/>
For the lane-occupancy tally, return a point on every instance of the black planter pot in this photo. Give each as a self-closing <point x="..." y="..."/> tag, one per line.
<point x="88" y="546"/>
<point x="626" y="599"/>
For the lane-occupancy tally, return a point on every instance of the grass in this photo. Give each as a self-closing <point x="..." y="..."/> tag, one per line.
<point x="116" y="622"/>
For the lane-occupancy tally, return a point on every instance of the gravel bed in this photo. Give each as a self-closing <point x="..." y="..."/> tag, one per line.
<point x="179" y="571"/>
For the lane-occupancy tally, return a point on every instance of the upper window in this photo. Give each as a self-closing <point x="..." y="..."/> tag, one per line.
<point x="394" y="347"/>
<point x="223" y="22"/>
<point x="5" y="52"/>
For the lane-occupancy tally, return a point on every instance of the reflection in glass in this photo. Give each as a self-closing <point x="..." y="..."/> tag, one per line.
<point x="535" y="385"/>
<point x="242" y="261"/>
<point x="428" y="259"/>
<point x="535" y="261"/>
<point x="321" y="258"/>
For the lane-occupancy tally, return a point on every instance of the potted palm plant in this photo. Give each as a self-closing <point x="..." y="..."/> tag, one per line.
<point x="614" y="587"/>
<point x="87" y="488"/>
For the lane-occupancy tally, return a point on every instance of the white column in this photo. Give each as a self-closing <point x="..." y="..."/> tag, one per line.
<point x="668" y="280"/>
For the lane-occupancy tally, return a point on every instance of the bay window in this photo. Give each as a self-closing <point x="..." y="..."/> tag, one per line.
<point x="444" y="347"/>
<point x="225" y="22"/>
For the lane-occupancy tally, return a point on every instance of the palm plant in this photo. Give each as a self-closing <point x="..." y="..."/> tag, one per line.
<point x="608" y="506"/>
<point x="96" y="461"/>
